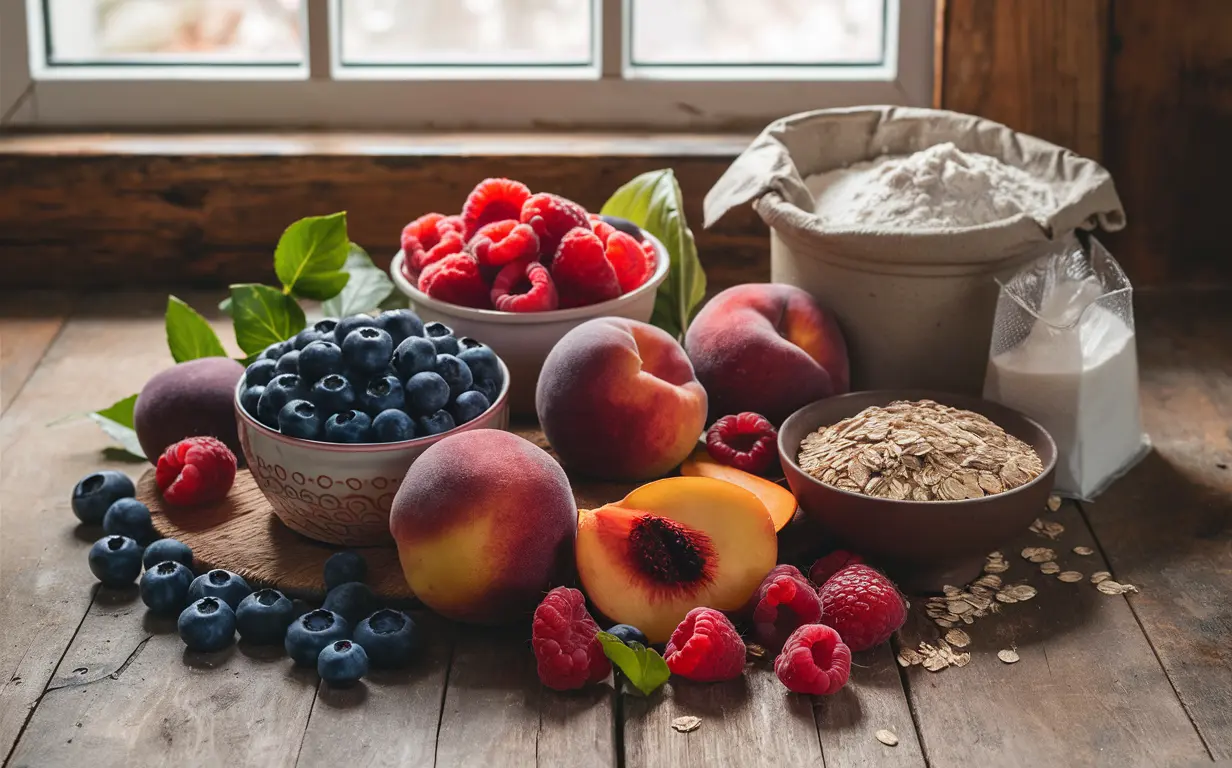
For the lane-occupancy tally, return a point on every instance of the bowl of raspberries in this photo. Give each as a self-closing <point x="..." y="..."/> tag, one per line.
<point x="520" y="270"/>
<point x="331" y="419"/>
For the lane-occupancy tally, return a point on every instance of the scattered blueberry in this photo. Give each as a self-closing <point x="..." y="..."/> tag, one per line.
<point x="479" y="358"/>
<point x="426" y="393"/>
<point x="627" y="633"/>
<point x="342" y="663"/>
<point x="250" y="399"/>
<point x="326" y="326"/>
<point x="207" y="625"/>
<point x="389" y="638"/>
<point x="168" y="549"/>
<point x="626" y="226"/>
<point x="263" y="617"/>
<point x="226" y="586"/>
<point x="392" y="426"/>
<point x="131" y="518"/>
<point x="383" y="393"/>
<point x="468" y="406"/>
<point x="281" y="390"/>
<point x="352" y="601"/>
<point x="277" y="350"/>
<point x="342" y="567"/>
<point x="367" y="351"/>
<point x="259" y="373"/>
<point x="115" y="561"/>
<point x="352" y="323"/>
<point x="455" y="373"/>
<point x="306" y="337"/>
<point x="288" y="363"/>
<point x="400" y="324"/>
<point x="489" y="388"/>
<point x="164" y="588"/>
<point x="436" y="423"/>
<point x="349" y="427"/>
<point x="442" y="338"/>
<point x="415" y="355"/>
<point x="97" y="491"/>
<point x="300" y="418"/>
<point x="308" y="634"/>
<point x="333" y="394"/>
<point x="318" y="360"/>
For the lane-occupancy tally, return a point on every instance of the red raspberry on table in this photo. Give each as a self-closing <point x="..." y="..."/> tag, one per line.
<point x="830" y="564"/>
<point x="502" y="242"/>
<point x="582" y="272"/>
<point x="456" y="279"/>
<point x="196" y="470"/>
<point x="492" y="200"/>
<point x="565" y="638"/>
<point x="744" y="441"/>
<point x="862" y="605"/>
<point x="524" y="286"/>
<point x="705" y="647"/>
<point x="627" y="258"/>
<point x="552" y="216"/>
<point x="814" y="660"/>
<point x="784" y="601"/>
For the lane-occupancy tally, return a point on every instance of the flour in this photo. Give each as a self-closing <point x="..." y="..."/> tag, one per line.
<point x="940" y="187"/>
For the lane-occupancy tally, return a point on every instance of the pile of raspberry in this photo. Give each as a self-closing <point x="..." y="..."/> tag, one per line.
<point x="514" y="251"/>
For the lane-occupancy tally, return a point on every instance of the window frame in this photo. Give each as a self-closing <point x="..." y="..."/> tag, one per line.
<point x="612" y="95"/>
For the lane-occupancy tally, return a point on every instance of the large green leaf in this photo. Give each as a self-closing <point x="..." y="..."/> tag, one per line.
<point x="310" y="256"/>
<point x="189" y="336"/>
<point x="263" y="316"/>
<point x="644" y="667"/>
<point x="117" y="421"/>
<point x="367" y="289"/>
<point x="653" y="202"/>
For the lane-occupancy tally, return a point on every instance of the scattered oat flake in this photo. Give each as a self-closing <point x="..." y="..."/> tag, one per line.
<point x="1069" y="577"/>
<point x="1084" y="551"/>
<point x="686" y="724"/>
<point x="958" y="638"/>
<point x="908" y="657"/>
<point x="755" y="650"/>
<point x="999" y="566"/>
<point x="1054" y="503"/>
<point x="961" y="659"/>
<point x="1038" y="554"/>
<point x="1099" y="576"/>
<point x="887" y="737"/>
<point x="1008" y="655"/>
<point x="1110" y="587"/>
<point x="1049" y="568"/>
<point x="935" y="663"/>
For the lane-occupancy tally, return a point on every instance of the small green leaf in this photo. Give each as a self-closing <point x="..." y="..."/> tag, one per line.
<point x="189" y="336"/>
<point x="263" y="316"/>
<point x="653" y="201"/>
<point x="117" y="421"/>
<point x="367" y="289"/>
<point x="310" y="255"/>
<point x="644" y="667"/>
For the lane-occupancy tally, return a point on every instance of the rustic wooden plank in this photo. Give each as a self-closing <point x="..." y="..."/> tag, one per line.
<point x="28" y="324"/>
<point x="1088" y="689"/>
<point x="1167" y="526"/>
<point x="872" y="700"/>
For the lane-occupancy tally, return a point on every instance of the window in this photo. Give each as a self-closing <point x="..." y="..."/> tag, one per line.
<point x="652" y="64"/>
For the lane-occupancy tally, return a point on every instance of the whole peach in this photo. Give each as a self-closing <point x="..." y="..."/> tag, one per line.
<point x="193" y="398"/>
<point x="767" y="348"/>
<point x="617" y="399"/>
<point x="485" y="524"/>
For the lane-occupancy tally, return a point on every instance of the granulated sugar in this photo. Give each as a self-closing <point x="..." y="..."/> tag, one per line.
<point x="936" y="188"/>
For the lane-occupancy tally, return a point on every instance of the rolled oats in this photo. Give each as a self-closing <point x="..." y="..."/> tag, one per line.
<point x="1069" y="576"/>
<point x="887" y="737"/>
<point x="686" y="724"/>
<point x="1048" y="568"/>
<point x="1084" y="551"/>
<point x="1008" y="655"/>
<point x="1099" y="576"/>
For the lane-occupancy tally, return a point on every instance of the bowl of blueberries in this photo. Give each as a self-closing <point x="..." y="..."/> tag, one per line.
<point x="331" y="420"/>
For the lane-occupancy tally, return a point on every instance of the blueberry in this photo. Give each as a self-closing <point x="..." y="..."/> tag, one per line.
<point x="442" y="338"/>
<point x="281" y="390"/>
<point x="342" y="567"/>
<point x="306" y="337"/>
<point x="436" y="423"/>
<point x="400" y="324"/>
<point x="263" y="617"/>
<point x="342" y="663"/>
<point x="326" y="327"/>
<point x="479" y="358"/>
<point x="207" y="625"/>
<point x="383" y="393"/>
<point x="426" y="393"/>
<point x="226" y="586"/>
<point x="311" y="632"/>
<point x="115" y="560"/>
<point x="388" y="637"/>
<point x="628" y="227"/>
<point x="349" y="427"/>
<point x="367" y="351"/>
<point x="489" y="388"/>
<point x="277" y="350"/>
<point x="352" y="323"/>
<point x="333" y="394"/>
<point x="164" y="588"/>
<point x="352" y="601"/>
<point x="250" y="400"/>
<point x="131" y="518"/>
<point x="97" y="491"/>
<point x="415" y="355"/>
<point x="168" y="549"/>
<point x="468" y="406"/>
<point x="300" y="418"/>
<point x="318" y="360"/>
<point x="392" y="426"/>
<point x="259" y="373"/>
<point x="288" y="363"/>
<point x="455" y="373"/>
<point x="627" y="633"/>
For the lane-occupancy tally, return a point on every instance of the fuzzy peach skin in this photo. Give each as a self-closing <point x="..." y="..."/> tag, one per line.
<point x="485" y="524"/>
<point x="767" y="348"/>
<point x="618" y="400"/>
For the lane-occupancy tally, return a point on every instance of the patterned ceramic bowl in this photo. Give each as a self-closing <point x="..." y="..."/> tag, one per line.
<point x="336" y="493"/>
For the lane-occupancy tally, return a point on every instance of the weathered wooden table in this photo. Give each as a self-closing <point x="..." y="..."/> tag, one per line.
<point x="1145" y="679"/>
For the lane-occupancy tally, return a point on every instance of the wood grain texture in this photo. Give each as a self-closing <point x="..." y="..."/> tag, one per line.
<point x="872" y="700"/>
<point x="1088" y="689"/>
<point x="28" y="324"/>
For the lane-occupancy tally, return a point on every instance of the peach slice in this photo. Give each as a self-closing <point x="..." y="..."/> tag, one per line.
<point x="671" y="546"/>
<point x="778" y="500"/>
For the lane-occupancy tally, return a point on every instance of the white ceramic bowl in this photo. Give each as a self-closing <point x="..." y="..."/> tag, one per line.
<point x="523" y="339"/>
<point x="339" y="493"/>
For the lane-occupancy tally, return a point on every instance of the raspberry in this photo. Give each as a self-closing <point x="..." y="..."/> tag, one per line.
<point x="524" y="286"/>
<point x="502" y="242"/>
<point x="785" y="601"/>
<point x="455" y="279"/>
<point x="552" y="217"/>
<point x="449" y="244"/>
<point x="814" y="660"/>
<point x="602" y="228"/>
<point x="705" y="647"/>
<point x="862" y="605"/>
<point x="421" y="233"/>
<point x="744" y="441"/>
<point x="627" y="258"/>
<point x="582" y="272"/>
<point x="196" y="470"/>
<point x="566" y="643"/>
<point x="831" y="564"/>
<point x="451" y="224"/>
<point x="492" y="200"/>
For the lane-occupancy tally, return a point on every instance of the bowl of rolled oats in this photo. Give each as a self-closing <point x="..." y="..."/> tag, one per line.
<point x="923" y="483"/>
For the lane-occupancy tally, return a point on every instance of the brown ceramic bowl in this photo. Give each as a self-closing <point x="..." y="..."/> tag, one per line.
<point x="922" y="544"/>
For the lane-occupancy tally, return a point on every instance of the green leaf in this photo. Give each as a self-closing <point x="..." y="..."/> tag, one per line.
<point x="644" y="667"/>
<point x="263" y="316"/>
<point x="310" y="255"/>
<point x="189" y="336"/>
<point x="117" y="421"/>
<point x="367" y="289"/>
<point x="653" y="202"/>
<point x="224" y="306"/>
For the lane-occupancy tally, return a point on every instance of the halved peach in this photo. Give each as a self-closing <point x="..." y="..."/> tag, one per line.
<point x="671" y="546"/>
<point x="778" y="500"/>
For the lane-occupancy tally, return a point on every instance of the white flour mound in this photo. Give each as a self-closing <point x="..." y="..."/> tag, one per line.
<point x="936" y="188"/>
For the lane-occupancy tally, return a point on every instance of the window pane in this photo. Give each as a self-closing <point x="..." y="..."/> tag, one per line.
<point x="461" y="32"/>
<point x="174" y="31"/>
<point x="758" y="32"/>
